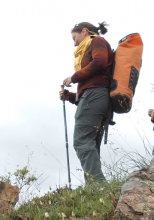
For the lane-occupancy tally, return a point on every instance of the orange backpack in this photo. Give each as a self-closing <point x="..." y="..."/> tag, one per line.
<point x="126" y="69"/>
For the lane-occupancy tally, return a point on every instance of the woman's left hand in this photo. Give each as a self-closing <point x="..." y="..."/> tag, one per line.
<point x="150" y="112"/>
<point x="67" y="81"/>
<point x="152" y="115"/>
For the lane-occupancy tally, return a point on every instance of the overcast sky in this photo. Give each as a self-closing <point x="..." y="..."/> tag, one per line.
<point x="36" y="55"/>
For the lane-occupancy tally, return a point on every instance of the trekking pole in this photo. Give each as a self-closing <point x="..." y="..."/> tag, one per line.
<point x="66" y="139"/>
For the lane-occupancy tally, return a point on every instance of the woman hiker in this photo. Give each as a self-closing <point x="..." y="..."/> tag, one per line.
<point x="93" y="59"/>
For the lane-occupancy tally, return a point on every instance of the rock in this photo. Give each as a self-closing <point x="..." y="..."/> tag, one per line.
<point x="136" y="201"/>
<point x="9" y="196"/>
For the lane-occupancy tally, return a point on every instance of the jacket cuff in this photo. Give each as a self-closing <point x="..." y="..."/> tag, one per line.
<point x="72" y="97"/>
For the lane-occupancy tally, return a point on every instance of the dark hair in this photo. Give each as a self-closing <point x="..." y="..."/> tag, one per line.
<point x="90" y="28"/>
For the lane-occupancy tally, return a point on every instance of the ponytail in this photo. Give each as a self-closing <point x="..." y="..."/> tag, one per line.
<point x="91" y="28"/>
<point x="102" y="28"/>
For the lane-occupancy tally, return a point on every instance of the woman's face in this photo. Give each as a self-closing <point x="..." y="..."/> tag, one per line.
<point x="79" y="37"/>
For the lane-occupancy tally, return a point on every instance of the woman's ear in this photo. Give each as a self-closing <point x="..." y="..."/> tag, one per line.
<point x="85" y="32"/>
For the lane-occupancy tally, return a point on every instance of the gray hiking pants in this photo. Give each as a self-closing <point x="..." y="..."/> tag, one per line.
<point x="89" y="117"/>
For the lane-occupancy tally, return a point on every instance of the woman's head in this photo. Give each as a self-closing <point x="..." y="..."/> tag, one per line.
<point x="83" y="29"/>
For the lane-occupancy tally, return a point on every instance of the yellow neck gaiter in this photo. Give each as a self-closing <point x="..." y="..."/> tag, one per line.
<point x="79" y="52"/>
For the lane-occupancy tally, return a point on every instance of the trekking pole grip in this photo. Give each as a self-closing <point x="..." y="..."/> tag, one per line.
<point x="62" y="89"/>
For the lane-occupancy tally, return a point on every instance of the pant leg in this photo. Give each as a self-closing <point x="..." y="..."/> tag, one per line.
<point x="105" y="120"/>
<point x="91" y="109"/>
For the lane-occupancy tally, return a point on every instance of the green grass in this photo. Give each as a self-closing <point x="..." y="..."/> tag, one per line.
<point x="96" y="201"/>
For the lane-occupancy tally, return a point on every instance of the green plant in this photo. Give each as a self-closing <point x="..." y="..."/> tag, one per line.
<point x="23" y="177"/>
<point x="65" y="202"/>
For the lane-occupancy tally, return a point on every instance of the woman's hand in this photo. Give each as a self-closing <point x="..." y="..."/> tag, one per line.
<point x="67" y="81"/>
<point x="64" y="94"/>
<point x="152" y="115"/>
<point x="150" y="112"/>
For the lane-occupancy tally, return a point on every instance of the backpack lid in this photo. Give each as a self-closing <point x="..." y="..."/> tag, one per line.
<point x="124" y="38"/>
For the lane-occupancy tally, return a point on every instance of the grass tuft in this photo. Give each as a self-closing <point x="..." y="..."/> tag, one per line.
<point x="96" y="201"/>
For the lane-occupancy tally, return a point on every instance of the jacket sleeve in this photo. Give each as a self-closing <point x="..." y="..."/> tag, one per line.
<point x="99" y="53"/>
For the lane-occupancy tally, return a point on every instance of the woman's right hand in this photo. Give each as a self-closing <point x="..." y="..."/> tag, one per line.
<point x="64" y="94"/>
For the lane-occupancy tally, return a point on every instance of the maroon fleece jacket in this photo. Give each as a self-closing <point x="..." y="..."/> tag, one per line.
<point x="96" y="61"/>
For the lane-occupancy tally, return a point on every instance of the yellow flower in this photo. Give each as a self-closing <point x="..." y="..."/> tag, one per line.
<point x="87" y="174"/>
<point x="49" y="202"/>
<point x="41" y="203"/>
<point x="101" y="189"/>
<point x="46" y="215"/>
<point x="110" y="194"/>
<point x="72" y="196"/>
<point x="102" y="201"/>
<point x="63" y="215"/>
<point x="59" y="215"/>
<point x="73" y="215"/>
<point x="94" y="213"/>
<point x="49" y="195"/>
